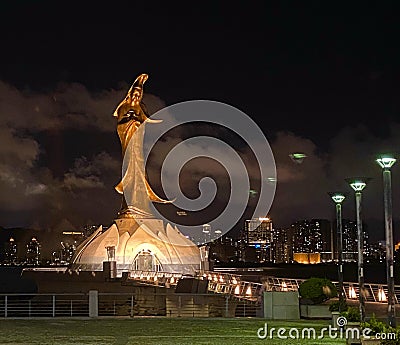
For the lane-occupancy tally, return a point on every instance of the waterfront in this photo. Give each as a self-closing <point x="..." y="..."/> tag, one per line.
<point x="374" y="273"/>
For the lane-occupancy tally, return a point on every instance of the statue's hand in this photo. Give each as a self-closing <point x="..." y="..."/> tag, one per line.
<point x="133" y="115"/>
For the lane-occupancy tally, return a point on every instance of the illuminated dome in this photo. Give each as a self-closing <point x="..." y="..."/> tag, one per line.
<point x="140" y="244"/>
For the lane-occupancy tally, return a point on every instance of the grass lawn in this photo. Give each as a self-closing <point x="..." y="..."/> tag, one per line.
<point x="154" y="330"/>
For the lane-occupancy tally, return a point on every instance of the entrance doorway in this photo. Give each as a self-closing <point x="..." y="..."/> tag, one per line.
<point x="146" y="261"/>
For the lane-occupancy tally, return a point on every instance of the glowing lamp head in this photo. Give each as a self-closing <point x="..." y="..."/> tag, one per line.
<point x="386" y="162"/>
<point x="337" y="197"/>
<point x="358" y="183"/>
<point x="298" y="157"/>
<point x="358" y="186"/>
<point x="248" y="291"/>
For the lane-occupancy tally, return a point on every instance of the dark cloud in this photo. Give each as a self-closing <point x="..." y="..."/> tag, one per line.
<point x="302" y="188"/>
<point x="68" y="106"/>
<point x="32" y="194"/>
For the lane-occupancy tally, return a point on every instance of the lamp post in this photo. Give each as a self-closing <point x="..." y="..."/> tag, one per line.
<point x="338" y="199"/>
<point x="386" y="162"/>
<point x="358" y="184"/>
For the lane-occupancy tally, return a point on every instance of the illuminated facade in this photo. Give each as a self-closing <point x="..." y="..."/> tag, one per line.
<point x="312" y="236"/>
<point x="282" y="245"/>
<point x="139" y="244"/>
<point x="33" y="252"/>
<point x="307" y="258"/>
<point x="11" y="249"/>
<point x="350" y="240"/>
<point x="258" y="235"/>
<point x="312" y="239"/>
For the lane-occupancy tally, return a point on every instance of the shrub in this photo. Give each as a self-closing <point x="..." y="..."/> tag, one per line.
<point x="352" y="314"/>
<point x="377" y="326"/>
<point x="317" y="290"/>
<point x="337" y="305"/>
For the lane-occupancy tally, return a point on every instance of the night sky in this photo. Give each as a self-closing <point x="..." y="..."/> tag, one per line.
<point x="317" y="78"/>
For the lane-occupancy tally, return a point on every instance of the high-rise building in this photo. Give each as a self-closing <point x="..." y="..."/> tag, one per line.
<point x="33" y="252"/>
<point x="89" y="229"/>
<point x="312" y="237"/>
<point x="207" y="233"/>
<point x="377" y="251"/>
<point x="282" y="245"/>
<point x="225" y="249"/>
<point x="350" y="248"/>
<point x="11" y="252"/>
<point x="258" y="239"/>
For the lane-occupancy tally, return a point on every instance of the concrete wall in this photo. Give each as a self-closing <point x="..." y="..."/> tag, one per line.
<point x="281" y="305"/>
<point x="186" y="306"/>
<point x="315" y="311"/>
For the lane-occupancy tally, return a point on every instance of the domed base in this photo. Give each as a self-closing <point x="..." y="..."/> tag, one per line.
<point x="141" y="244"/>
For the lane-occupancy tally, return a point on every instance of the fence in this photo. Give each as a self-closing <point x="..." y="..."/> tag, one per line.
<point x="372" y="292"/>
<point x="225" y="298"/>
<point x="43" y="305"/>
<point x="126" y="305"/>
<point x="219" y="283"/>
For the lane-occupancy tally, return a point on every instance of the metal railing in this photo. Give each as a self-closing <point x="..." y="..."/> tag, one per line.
<point x="126" y="305"/>
<point x="372" y="292"/>
<point x="175" y="305"/>
<point x="219" y="283"/>
<point x="221" y="300"/>
<point x="43" y="305"/>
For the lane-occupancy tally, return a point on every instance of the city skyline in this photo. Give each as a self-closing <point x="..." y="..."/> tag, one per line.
<point x="256" y="243"/>
<point x="322" y="83"/>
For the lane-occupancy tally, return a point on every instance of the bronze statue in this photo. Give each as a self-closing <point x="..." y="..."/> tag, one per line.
<point x="131" y="113"/>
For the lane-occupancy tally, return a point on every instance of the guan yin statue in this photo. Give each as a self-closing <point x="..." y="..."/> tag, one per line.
<point x="137" y="240"/>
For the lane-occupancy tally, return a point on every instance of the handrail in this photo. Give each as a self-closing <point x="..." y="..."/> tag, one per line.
<point x="219" y="283"/>
<point x="373" y="292"/>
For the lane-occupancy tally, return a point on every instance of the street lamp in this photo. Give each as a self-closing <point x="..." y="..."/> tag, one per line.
<point x="338" y="198"/>
<point x="386" y="162"/>
<point x="358" y="184"/>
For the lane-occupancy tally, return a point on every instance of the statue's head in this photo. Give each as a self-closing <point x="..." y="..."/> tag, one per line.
<point x="135" y="93"/>
<point x="133" y="97"/>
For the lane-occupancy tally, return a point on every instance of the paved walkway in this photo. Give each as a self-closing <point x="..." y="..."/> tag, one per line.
<point x="379" y="309"/>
